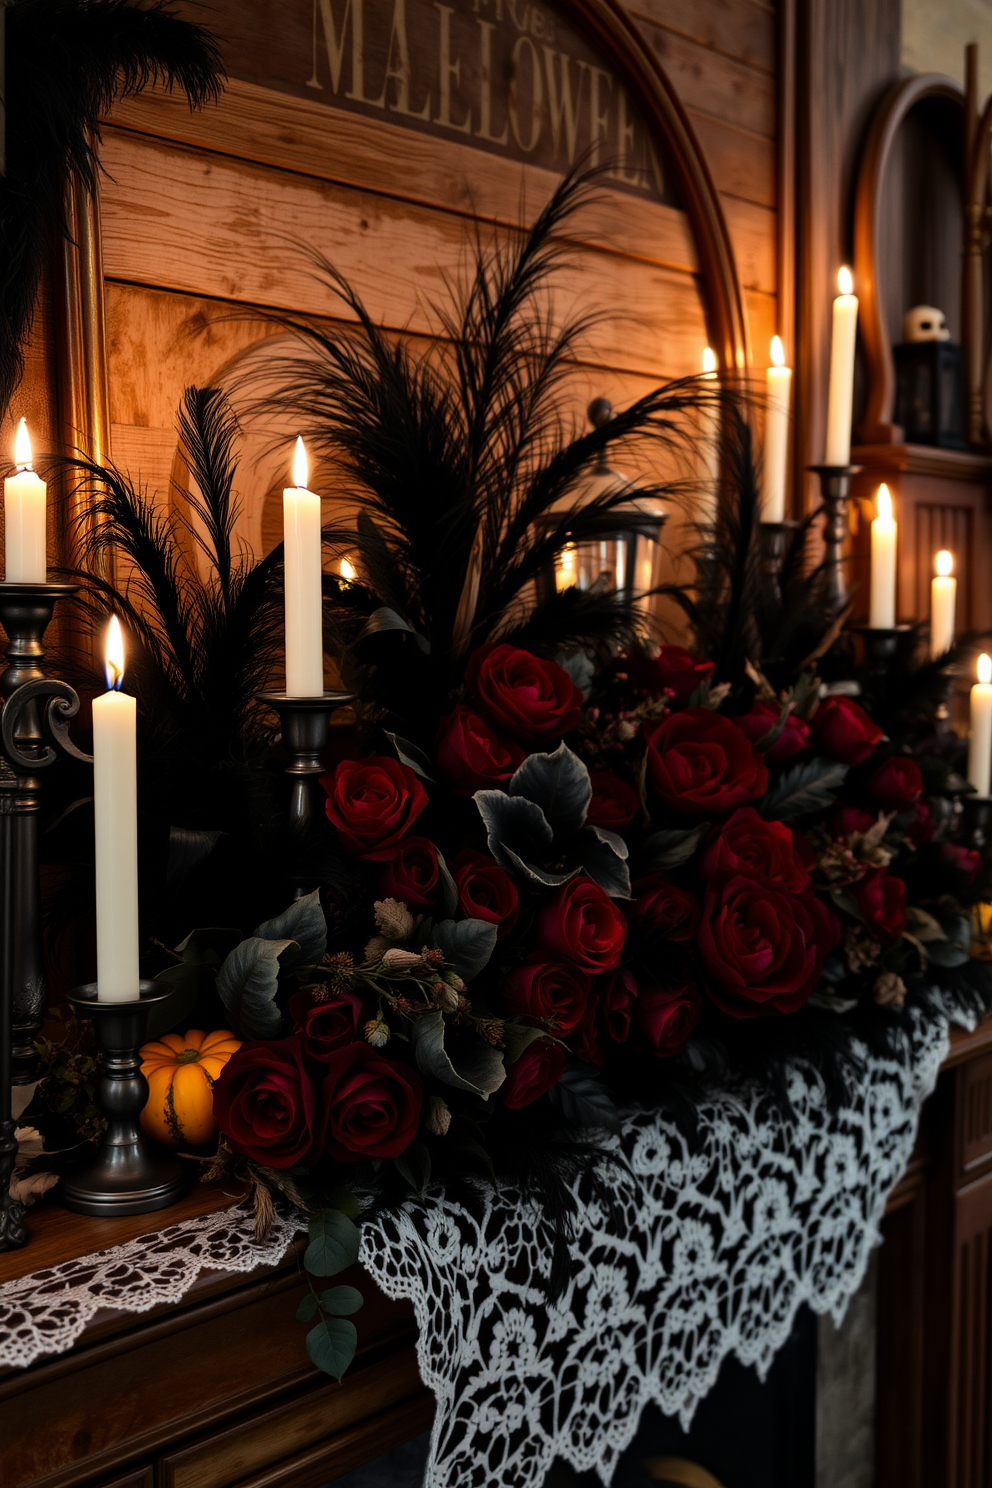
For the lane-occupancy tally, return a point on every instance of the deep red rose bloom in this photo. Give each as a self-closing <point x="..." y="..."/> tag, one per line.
<point x="539" y="1067"/>
<point x="586" y="1041"/>
<point x="549" y="990"/>
<point x="581" y="923"/>
<point x="791" y="741"/>
<point x="965" y="859"/>
<point x="371" y="1105"/>
<point x="618" y="1001"/>
<point x="762" y="946"/>
<point x="614" y="802"/>
<point x="896" y="784"/>
<point x="841" y="728"/>
<point x="412" y="874"/>
<point x="666" y="1016"/>
<point x="325" y="1026"/>
<point x="748" y="844"/>
<point x="661" y="910"/>
<point x="470" y="757"/>
<point x="265" y="1103"/>
<point x="373" y="803"/>
<point x="485" y="890"/>
<point x="673" y="670"/>
<point x="845" y="820"/>
<point x="881" y="899"/>
<point x="700" y="763"/>
<point x="921" y="829"/>
<point x="520" y="695"/>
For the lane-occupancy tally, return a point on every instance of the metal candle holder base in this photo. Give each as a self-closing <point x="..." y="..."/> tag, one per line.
<point x="774" y="537"/>
<point x="305" y="722"/>
<point x="127" y="1175"/>
<point x="835" y="486"/>
<point x="976" y="812"/>
<point x="881" y="645"/>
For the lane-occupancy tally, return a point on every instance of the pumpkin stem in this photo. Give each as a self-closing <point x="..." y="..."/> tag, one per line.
<point x="188" y="1056"/>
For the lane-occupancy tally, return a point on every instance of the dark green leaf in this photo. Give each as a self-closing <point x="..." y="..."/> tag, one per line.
<point x="414" y="1165"/>
<point x="448" y="902"/>
<point x="331" y="1346"/>
<point x="599" y="853"/>
<point x="478" y="1067"/>
<point x="671" y="848"/>
<point x="518" y="824"/>
<point x="333" y="1243"/>
<point x="340" y="1198"/>
<point x="517" y="1037"/>
<point x="946" y="953"/>
<point x="845" y="900"/>
<point x="247" y="984"/>
<point x="559" y="783"/>
<point x="342" y="1301"/>
<point x="767" y="740"/>
<point x="545" y="876"/>
<point x="804" y="788"/>
<point x="410" y="755"/>
<point x="584" y="1101"/>
<point x="307" y="1308"/>
<point x="303" y="922"/>
<point x="186" y="981"/>
<point x="210" y="945"/>
<point x="467" y="944"/>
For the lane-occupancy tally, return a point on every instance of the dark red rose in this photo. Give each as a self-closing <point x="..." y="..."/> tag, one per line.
<point x="470" y="757"/>
<point x="586" y="1040"/>
<point x="265" y="1102"/>
<point x="921" y="829"/>
<point x="618" y="1001"/>
<point x="841" y="728"/>
<point x="791" y="741"/>
<point x="662" y="910"/>
<point x="748" y="844"/>
<point x="881" y="899"/>
<point x="762" y="946"/>
<point x="371" y="1105"/>
<point x="896" y="784"/>
<point x="520" y="695"/>
<point x="673" y="669"/>
<point x="965" y="859"/>
<point x="701" y="763"/>
<point x="846" y="820"/>
<point x="551" y="991"/>
<point x="614" y="802"/>
<point x="412" y="873"/>
<point x="539" y="1067"/>
<point x="485" y="890"/>
<point x="373" y="803"/>
<point x="666" y="1016"/>
<point x="328" y="1025"/>
<point x="581" y="923"/>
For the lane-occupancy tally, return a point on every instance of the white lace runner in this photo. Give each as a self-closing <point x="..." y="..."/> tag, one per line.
<point x="46" y="1312"/>
<point x="710" y="1252"/>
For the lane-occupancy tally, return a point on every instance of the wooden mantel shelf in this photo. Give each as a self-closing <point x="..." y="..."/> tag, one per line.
<point x="924" y="459"/>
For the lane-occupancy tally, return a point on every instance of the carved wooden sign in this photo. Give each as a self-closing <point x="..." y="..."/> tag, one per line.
<point x="511" y="77"/>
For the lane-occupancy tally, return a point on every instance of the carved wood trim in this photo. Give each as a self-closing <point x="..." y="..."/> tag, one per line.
<point x="877" y="426"/>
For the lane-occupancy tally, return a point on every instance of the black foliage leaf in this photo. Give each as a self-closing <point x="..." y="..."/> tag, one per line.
<point x="806" y="787"/>
<point x="584" y="1100"/>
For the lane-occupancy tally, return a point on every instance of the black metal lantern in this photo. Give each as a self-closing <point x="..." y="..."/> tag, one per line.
<point x="625" y="554"/>
<point x="930" y="393"/>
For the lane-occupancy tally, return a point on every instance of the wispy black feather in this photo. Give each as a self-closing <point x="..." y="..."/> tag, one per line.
<point x="67" y="60"/>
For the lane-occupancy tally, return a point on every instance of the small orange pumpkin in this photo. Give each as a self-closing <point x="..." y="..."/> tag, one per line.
<point x="181" y="1069"/>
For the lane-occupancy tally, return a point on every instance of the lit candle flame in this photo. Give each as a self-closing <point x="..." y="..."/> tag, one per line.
<point x="778" y="352"/>
<point x="944" y="563"/>
<point x="985" y="668"/>
<point x="114" y="662"/>
<point x="301" y="468"/>
<point x="22" y="446"/>
<point x="884" y="503"/>
<point x="347" y="570"/>
<point x="565" y="568"/>
<point x="845" y="280"/>
<point x="709" y="360"/>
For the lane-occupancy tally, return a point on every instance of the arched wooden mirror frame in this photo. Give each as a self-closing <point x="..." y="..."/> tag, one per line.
<point x="83" y="381"/>
<point x="877" y="427"/>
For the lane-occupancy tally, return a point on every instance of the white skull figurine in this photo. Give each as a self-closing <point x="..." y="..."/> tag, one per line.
<point x="925" y="323"/>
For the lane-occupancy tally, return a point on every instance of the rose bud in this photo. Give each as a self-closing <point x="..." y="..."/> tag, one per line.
<point x="470" y="757"/>
<point x="325" y="1026"/>
<point x="746" y="843"/>
<point x="265" y="1104"/>
<point x="373" y="803"/>
<point x="371" y="1105"/>
<point x="700" y="763"/>
<point x="412" y="874"/>
<point x="581" y="923"/>
<point x="881" y="898"/>
<point x="520" y="695"/>
<point x="666" y="1016"/>
<point x="762" y="946"/>
<point x="841" y="728"/>
<point x="896" y="784"/>
<point x="661" y="910"/>
<point x="762" y="718"/>
<point x="485" y="890"/>
<point x="614" y="802"/>
<point x="846" y="820"/>
<point x="539" y="1067"/>
<point x="547" y="990"/>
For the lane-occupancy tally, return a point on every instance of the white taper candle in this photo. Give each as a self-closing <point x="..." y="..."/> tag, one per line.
<point x="884" y="534"/>
<point x="943" y="599"/>
<point x="778" y="382"/>
<point x="302" y="571"/>
<point x="25" y="518"/>
<point x="980" y="742"/>
<point x="115" y="811"/>
<point x="843" y="342"/>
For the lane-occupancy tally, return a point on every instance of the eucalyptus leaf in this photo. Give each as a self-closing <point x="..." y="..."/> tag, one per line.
<point x="411" y="755"/>
<point x="806" y="787"/>
<point x="671" y="847"/>
<point x="467" y="944"/>
<point x="559" y="783"/>
<point x="342" y="1301"/>
<point x="247" y="984"/>
<point x="303" y="922"/>
<point x="333" y="1243"/>
<point x="307" y="1308"/>
<point x="479" y="1067"/>
<point x="516" y="823"/>
<point x="331" y="1346"/>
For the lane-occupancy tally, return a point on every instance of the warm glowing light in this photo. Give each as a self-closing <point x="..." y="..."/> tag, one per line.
<point x="884" y="503"/>
<point x="944" y="563"/>
<point x="301" y="468"/>
<point x="347" y="570"/>
<point x="22" y="446"/>
<point x="845" y="280"/>
<point x="985" y="668"/>
<point x="114" y="654"/>
<point x="709" y="359"/>
<point x="565" y="569"/>
<point x="778" y="352"/>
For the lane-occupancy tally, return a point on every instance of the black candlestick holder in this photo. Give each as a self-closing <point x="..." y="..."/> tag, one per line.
<point x="304" y="725"/>
<point x="835" y="487"/>
<point x="774" y="538"/>
<point x="127" y="1174"/>
<point x="976" y="814"/>
<point x="881" y="645"/>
